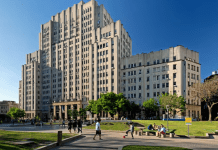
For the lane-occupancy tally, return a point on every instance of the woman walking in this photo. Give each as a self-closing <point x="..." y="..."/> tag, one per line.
<point x="69" y="126"/>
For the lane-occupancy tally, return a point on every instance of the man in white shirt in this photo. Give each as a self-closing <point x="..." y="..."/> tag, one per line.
<point x="98" y="130"/>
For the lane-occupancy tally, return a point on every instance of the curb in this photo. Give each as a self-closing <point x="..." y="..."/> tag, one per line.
<point x="52" y="145"/>
<point x="121" y="147"/>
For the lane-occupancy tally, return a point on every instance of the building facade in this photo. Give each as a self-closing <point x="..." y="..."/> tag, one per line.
<point x="83" y="52"/>
<point x="78" y="58"/>
<point x="5" y="106"/>
<point x="172" y="70"/>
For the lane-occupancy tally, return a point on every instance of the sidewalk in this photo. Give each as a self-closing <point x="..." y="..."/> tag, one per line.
<point x="113" y="140"/>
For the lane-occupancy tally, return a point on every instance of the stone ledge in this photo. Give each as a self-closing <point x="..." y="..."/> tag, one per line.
<point x="52" y="145"/>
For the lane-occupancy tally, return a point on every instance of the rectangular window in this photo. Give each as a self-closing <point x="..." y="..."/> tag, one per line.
<point x="197" y="69"/>
<point x="154" y="94"/>
<point x="158" y="61"/>
<point x="163" y="60"/>
<point x="154" y="86"/>
<point x="147" y="94"/>
<point x="147" y="79"/>
<point x="154" y="62"/>
<point x="174" y="83"/>
<point x="174" y="67"/>
<point x="167" y="59"/>
<point x="163" y="77"/>
<point x="148" y="63"/>
<point x="167" y="84"/>
<point x="163" y="85"/>
<point x="140" y="64"/>
<point x="147" y="87"/>
<point x="158" y="86"/>
<point x="174" y="75"/>
<point x="140" y="79"/>
<point x="147" y="71"/>
<point x="174" y="58"/>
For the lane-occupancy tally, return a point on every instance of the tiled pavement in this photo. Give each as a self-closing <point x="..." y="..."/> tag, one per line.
<point x="113" y="140"/>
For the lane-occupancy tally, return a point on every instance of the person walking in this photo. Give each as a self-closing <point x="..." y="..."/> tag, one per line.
<point x="80" y="125"/>
<point x="131" y="129"/>
<point x="74" y="125"/>
<point x="98" y="130"/>
<point x="69" y="126"/>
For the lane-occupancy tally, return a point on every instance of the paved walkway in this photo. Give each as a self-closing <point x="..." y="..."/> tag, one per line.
<point x="113" y="140"/>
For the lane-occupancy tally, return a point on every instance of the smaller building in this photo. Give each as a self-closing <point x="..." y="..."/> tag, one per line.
<point x="5" y="106"/>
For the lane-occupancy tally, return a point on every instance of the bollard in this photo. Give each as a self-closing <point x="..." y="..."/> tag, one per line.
<point x="172" y="135"/>
<point x="135" y="132"/>
<point x="59" y="138"/>
<point x="140" y="133"/>
<point x="147" y="133"/>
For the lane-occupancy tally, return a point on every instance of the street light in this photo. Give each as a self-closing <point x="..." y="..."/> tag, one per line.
<point x="167" y="107"/>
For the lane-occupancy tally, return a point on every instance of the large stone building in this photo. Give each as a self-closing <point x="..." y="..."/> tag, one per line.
<point x="172" y="70"/>
<point x="78" y="58"/>
<point x="83" y="52"/>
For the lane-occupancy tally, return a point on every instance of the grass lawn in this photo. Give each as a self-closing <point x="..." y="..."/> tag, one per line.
<point x="140" y="147"/>
<point x="118" y="126"/>
<point x="37" y="137"/>
<point x="198" y="128"/>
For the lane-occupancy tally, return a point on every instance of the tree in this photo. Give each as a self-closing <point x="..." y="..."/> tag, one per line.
<point x="206" y="92"/>
<point x="69" y="113"/>
<point x="150" y="106"/>
<point x="176" y="103"/>
<point x="114" y="103"/>
<point x="16" y="113"/>
<point x="37" y="118"/>
<point x="135" y="108"/>
<point x="109" y="102"/>
<point x="82" y="112"/>
<point x="75" y="113"/>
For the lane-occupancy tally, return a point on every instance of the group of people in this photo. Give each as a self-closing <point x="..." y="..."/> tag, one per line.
<point x="75" y="124"/>
<point x="160" y="129"/>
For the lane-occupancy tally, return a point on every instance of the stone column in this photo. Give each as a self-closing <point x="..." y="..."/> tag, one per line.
<point x="65" y="112"/>
<point x="60" y="113"/>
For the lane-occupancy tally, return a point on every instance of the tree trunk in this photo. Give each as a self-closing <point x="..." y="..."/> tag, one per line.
<point x="210" y="110"/>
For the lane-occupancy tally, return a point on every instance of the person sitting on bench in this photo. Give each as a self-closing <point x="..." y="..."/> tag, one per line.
<point x="150" y="127"/>
<point x="162" y="130"/>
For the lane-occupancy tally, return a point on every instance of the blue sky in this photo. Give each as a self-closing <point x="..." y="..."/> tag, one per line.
<point x="152" y="25"/>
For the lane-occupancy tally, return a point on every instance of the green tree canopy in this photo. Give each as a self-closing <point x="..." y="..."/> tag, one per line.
<point x="82" y="112"/>
<point x="109" y="102"/>
<point x="135" y="108"/>
<point x="150" y="106"/>
<point x="15" y="113"/>
<point x="75" y="113"/>
<point x="69" y="112"/>
<point x="174" y="102"/>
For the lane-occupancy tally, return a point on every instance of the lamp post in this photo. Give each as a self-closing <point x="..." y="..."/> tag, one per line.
<point x="167" y="107"/>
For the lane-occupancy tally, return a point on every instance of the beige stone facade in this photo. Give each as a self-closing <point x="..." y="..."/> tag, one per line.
<point x="78" y="58"/>
<point x="5" y="106"/>
<point x="172" y="70"/>
<point x="82" y="53"/>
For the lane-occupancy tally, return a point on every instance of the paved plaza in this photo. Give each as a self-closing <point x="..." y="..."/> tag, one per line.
<point x="113" y="140"/>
